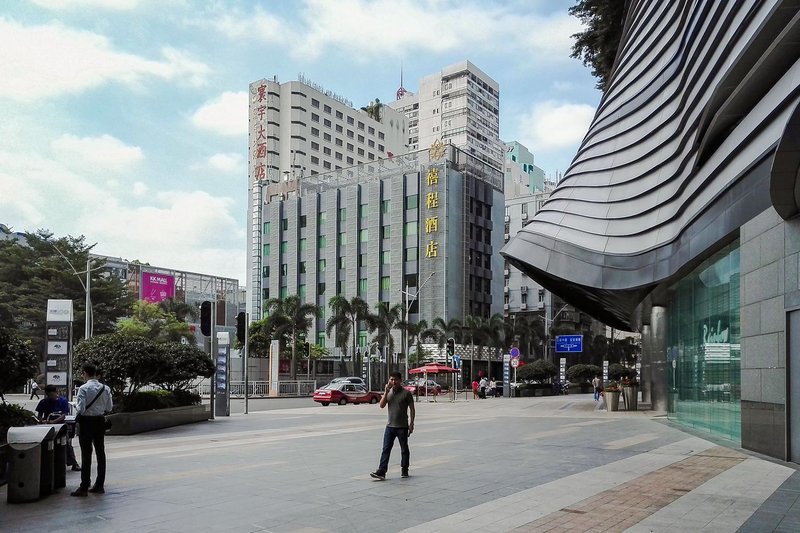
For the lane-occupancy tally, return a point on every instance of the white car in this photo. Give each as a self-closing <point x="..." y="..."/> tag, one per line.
<point x="348" y="379"/>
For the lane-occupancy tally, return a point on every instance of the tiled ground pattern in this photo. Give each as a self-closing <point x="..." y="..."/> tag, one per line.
<point x="628" y="504"/>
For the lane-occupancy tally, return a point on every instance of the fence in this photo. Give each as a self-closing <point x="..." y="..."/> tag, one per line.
<point x="260" y="389"/>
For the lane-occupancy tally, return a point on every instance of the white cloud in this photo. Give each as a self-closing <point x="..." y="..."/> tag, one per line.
<point x="45" y="61"/>
<point x="553" y="125"/>
<point x="225" y="115"/>
<point x="98" y="154"/>
<point x="139" y="189"/>
<point x="257" y="25"/>
<point x="230" y="163"/>
<point x="62" y="5"/>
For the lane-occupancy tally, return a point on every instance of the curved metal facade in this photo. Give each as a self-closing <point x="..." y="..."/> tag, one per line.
<point x="696" y="134"/>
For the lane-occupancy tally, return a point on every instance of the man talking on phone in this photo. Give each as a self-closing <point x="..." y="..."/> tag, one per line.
<point x="400" y="403"/>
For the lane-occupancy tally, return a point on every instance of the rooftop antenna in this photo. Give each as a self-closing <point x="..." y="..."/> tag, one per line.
<point x="401" y="91"/>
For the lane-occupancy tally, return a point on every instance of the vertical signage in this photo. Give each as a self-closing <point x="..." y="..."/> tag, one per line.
<point x="222" y="398"/>
<point x="506" y="375"/>
<point x="58" y="356"/>
<point x="562" y="369"/>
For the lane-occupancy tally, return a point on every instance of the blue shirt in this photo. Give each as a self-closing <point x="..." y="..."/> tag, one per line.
<point x="46" y="406"/>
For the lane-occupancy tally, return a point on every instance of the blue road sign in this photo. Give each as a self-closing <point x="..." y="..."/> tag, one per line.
<point x="514" y="351"/>
<point x="456" y="362"/>
<point x="569" y="343"/>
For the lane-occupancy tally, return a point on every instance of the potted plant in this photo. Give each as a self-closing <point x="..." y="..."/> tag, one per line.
<point x="630" y="392"/>
<point x="611" y="392"/>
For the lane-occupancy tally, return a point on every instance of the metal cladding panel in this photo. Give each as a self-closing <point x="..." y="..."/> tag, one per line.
<point x="679" y="155"/>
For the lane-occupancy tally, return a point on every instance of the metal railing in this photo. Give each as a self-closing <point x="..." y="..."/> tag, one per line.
<point x="260" y="389"/>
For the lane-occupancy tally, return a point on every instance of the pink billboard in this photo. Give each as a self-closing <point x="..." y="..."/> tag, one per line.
<point x="157" y="287"/>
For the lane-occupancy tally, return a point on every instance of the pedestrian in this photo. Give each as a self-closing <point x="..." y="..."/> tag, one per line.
<point x="400" y="425"/>
<point x="493" y="387"/>
<point x="475" y="389"/>
<point x="53" y="409"/>
<point x="94" y="402"/>
<point x="34" y="389"/>
<point x="597" y="383"/>
<point x="483" y="384"/>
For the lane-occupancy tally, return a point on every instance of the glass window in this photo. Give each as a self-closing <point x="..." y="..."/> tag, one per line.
<point x="284" y="292"/>
<point x="350" y="120"/>
<point x="380" y="135"/>
<point x="363" y="235"/>
<point x="360" y="125"/>
<point x="350" y="134"/>
<point x="412" y="201"/>
<point x="315" y="132"/>
<point x="284" y="269"/>
<point x="301" y="291"/>
<point x="339" y="128"/>
<point x="386" y="257"/>
<point x="342" y="238"/>
<point x="320" y="289"/>
<point x="326" y="151"/>
<point x="371" y="143"/>
<point x="322" y="218"/>
<point x="350" y="160"/>
<point x="339" y="142"/>
<point x="327" y="136"/>
<point x="284" y="246"/>
<point x="284" y="224"/>
<point x="360" y="151"/>
<point x="322" y="241"/>
<point x="315" y="103"/>
<point x="411" y="254"/>
<point x="361" y="139"/>
<point x="385" y="206"/>
<point x="340" y="287"/>
<point x="321" y="337"/>
<point x="266" y="249"/>
<point x="342" y="214"/>
<point x="362" y="338"/>
<point x="371" y="130"/>
<point x="327" y="109"/>
<point x="339" y="115"/>
<point x="303" y="221"/>
<point x="315" y="160"/>
<point x="342" y="263"/>
<point x="380" y="147"/>
<point x="362" y="260"/>
<point x="265" y="293"/>
<point x="265" y="271"/>
<point x="326" y="164"/>
<point x="362" y="286"/>
<point x="386" y="283"/>
<point x="302" y="267"/>
<point x="385" y="232"/>
<point x="266" y="228"/>
<point x="410" y="228"/>
<point x="363" y="210"/>
<point x="321" y="265"/>
<point x="314" y="117"/>
<point x="301" y="245"/>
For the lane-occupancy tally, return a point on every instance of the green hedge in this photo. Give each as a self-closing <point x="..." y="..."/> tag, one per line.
<point x="159" y="399"/>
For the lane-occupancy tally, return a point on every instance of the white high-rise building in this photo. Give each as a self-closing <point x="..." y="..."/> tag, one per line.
<point x="297" y="130"/>
<point x="460" y="105"/>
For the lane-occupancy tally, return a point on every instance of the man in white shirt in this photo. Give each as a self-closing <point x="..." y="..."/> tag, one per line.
<point x="94" y="402"/>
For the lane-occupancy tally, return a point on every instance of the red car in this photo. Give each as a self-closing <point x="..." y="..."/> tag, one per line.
<point x="344" y="393"/>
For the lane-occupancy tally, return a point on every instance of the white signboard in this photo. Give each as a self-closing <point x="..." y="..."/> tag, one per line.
<point x="57" y="347"/>
<point x="57" y="378"/>
<point x="59" y="310"/>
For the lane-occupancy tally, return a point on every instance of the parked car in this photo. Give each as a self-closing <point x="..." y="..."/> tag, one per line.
<point x="344" y="393"/>
<point x="417" y="386"/>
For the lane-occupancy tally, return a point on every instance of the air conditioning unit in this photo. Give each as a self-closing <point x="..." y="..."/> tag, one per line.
<point x="505" y="307"/>
<point x="506" y="272"/>
<point x="524" y="216"/>
<point x="523" y="289"/>
<point x="505" y="289"/>
<point x="506" y="236"/>
<point x="523" y="306"/>
<point x="508" y="218"/>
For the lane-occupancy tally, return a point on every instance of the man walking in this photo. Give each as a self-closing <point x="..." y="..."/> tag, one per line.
<point x="596" y="384"/>
<point x="94" y="401"/>
<point x="400" y="402"/>
<point x="34" y="389"/>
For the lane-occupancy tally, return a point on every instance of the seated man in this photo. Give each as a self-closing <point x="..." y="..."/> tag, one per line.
<point x="53" y="409"/>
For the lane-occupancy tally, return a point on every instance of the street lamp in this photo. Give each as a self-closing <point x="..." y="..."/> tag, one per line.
<point x="408" y="305"/>
<point x="547" y="324"/>
<point x="87" y="288"/>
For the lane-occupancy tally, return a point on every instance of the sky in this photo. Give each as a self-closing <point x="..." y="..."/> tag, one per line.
<point x="126" y="120"/>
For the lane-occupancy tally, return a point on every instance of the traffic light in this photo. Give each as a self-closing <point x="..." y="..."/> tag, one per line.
<point x="451" y="347"/>
<point x="307" y="348"/>
<point x="241" y="325"/>
<point x="205" y="318"/>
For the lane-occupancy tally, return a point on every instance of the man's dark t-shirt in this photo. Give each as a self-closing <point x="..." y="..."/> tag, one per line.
<point x="398" y="402"/>
<point x="47" y="406"/>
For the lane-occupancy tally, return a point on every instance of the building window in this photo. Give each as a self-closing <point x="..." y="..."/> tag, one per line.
<point x="362" y="260"/>
<point x="386" y="283"/>
<point x="340" y="287"/>
<point x="315" y="103"/>
<point x="350" y="120"/>
<point x="327" y="136"/>
<point x="362" y="338"/>
<point x="380" y="135"/>
<point x="265" y="294"/>
<point x="360" y="125"/>
<point x="411" y="254"/>
<point x="339" y="142"/>
<point x="322" y="218"/>
<point x="371" y="156"/>
<point x="380" y="147"/>
<point x="284" y="292"/>
<point x="342" y="214"/>
<point x="322" y="241"/>
<point x="362" y="286"/>
<point x="315" y="146"/>
<point x="386" y="257"/>
<point x="321" y="337"/>
<point x="284" y="224"/>
<point x="339" y="128"/>
<point x="302" y="267"/>
<point x="284" y="246"/>
<point x="385" y="206"/>
<point x="301" y="245"/>
<point x="303" y="221"/>
<point x="321" y="265"/>
<point x="265" y="271"/>
<point x="327" y="123"/>
<point x="410" y="228"/>
<point x="350" y="134"/>
<point x="385" y="232"/>
<point x="327" y="109"/>
<point x="363" y="210"/>
<point x="361" y="139"/>
<point x="363" y="235"/>
<point x="342" y="238"/>
<point x="350" y="147"/>
<point x="361" y="151"/>
<point x="342" y="263"/>
<point x="371" y="130"/>
<point x="326" y="151"/>
<point x="315" y="132"/>
<point x="339" y="156"/>
<point x="349" y="160"/>
<point x="320" y="289"/>
<point x="314" y="117"/>
<point x="412" y="201"/>
<point x="371" y="143"/>
<point x="266" y="228"/>
<point x="266" y="250"/>
<point x="326" y="164"/>
<point x="284" y="269"/>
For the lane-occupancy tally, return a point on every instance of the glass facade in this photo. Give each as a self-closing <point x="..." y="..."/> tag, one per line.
<point x="703" y="346"/>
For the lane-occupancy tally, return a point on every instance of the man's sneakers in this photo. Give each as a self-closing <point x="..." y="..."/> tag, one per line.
<point x="76" y="468"/>
<point x="79" y="492"/>
<point x="404" y="473"/>
<point x="97" y="490"/>
<point x="378" y="475"/>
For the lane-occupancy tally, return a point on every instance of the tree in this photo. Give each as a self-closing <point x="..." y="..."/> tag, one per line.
<point x="152" y="322"/>
<point x="539" y="370"/>
<point x="38" y="269"/>
<point x="346" y="315"/>
<point x="181" y="310"/>
<point x="295" y="317"/>
<point x="126" y="362"/>
<point x="384" y="321"/>
<point x="17" y="360"/>
<point x="527" y="331"/>
<point x="184" y="364"/>
<point x="597" y="45"/>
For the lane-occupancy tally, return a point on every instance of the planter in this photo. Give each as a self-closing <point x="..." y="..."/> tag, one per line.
<point x="631" y="393"/>
<point x="133" y="423"/>
<point x="612" y="400"/>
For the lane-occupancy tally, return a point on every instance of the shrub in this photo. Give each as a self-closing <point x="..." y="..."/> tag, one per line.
<point x="13" y="415"/>
<point x="158" y="399"/>
<point x="618" y="372"/>
<point x="16" y="359"/>
<point x="581" y="373"/>
<point x="183" y="364"/>
<point x="538" y="370"/>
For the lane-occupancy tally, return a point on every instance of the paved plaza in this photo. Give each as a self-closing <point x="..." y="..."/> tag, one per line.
<point x="522" y="464"/>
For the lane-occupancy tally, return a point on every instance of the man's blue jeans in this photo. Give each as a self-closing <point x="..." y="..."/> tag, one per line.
<point x="389" y="435"/>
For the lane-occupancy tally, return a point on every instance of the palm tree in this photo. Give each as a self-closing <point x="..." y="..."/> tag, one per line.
<point x="346" y="314"/>
<point x="386" y="319"/>
<point x="298" y="317"/>
<point x="472" y="329"/>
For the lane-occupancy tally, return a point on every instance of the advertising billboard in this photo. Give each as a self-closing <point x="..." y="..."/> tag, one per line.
<point x="157" y="287"/>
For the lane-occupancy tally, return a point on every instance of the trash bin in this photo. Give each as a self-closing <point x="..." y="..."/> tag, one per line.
<point x="30" y="475"/>
<point x="60" y="455"/>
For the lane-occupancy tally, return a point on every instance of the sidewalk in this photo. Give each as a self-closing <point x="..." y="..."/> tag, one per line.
<point x="521" y="464"/>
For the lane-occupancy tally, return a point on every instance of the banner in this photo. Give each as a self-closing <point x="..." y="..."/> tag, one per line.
<point x="157" y="287"/>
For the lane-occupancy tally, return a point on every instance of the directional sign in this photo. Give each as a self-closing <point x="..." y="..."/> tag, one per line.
<point x="569" y="343"/>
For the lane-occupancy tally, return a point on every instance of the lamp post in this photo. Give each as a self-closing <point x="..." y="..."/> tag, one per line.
<point x="87" y="289"/>
<point x="548" y="322"/>
<point x="408" y="305"/>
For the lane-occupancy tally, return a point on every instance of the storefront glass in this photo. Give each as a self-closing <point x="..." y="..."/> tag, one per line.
<point x="703" y="346"/>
